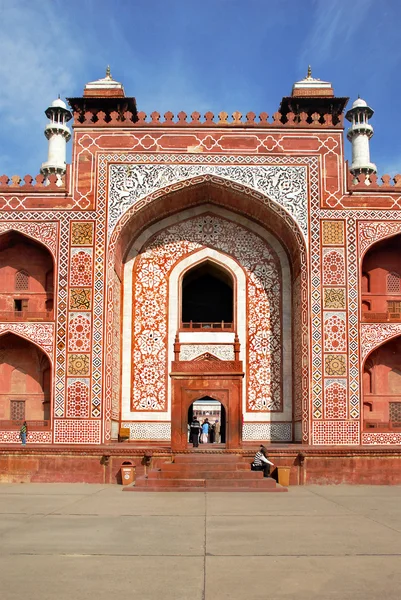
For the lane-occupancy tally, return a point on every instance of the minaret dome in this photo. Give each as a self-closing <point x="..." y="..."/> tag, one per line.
<point x="58" y="134"/>
<point x="359" y="135"/>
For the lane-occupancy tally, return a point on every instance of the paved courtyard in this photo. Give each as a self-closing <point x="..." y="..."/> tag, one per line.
<point x="93" y="541"/>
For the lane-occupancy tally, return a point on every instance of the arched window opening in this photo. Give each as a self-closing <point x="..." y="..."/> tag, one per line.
<point x="393" y="283"/>
<point x="207" y="297"/>
<point x="365" y="306"/>
<point x="208" y="411"/>
<point x="26" y="278"/>
<point x="21" y="281"/>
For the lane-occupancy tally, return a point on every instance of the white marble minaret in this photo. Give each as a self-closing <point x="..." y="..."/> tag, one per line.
<point x="359" y="135"/>
<point x="58" y="134"/>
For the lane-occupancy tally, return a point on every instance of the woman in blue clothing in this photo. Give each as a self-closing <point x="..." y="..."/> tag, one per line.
<point x="205" y="431"/>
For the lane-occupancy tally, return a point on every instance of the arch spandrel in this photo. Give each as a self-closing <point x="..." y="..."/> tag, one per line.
<point x="39" y="334"/>
<point x="282" y="186"/>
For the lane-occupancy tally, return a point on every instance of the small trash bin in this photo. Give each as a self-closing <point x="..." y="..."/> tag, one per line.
<point x="284" y="475"/>
<point x="127" y="472"/>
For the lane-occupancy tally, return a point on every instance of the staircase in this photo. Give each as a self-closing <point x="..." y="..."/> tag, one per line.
<point x="205" y="473"/>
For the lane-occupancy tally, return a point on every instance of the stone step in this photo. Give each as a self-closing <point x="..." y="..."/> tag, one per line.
<point x="207" y="466"/>
<point x="151" y="488"/>
<point x="194" y="457"/>
<point x="142" y="482"/>
<point x="266" y="482"/>
<point x="196" y="473"/>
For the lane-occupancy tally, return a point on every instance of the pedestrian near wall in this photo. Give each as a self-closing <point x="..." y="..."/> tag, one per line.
<point x="23" y="432"/>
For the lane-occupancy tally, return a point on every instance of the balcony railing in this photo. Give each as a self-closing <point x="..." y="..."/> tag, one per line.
<point x="205" y="326"/>
<point x="24" y="315"/>
<point x="379" y="425"/>
<point x="376" y="317"/>
<point x="32" y="425"/>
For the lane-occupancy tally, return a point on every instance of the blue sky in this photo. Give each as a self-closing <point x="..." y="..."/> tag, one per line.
<point x="195" y="55"/>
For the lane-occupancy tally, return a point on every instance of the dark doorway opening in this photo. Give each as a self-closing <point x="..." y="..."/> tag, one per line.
<point x="207" y="295"/>
<point x="212" y="410"/>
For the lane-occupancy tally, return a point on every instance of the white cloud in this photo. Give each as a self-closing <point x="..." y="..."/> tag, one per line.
<point x="334" y="24"/>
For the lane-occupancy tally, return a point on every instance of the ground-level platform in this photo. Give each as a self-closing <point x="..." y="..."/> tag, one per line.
<point x="93" y="541"/>
<point x="101" y="464"/>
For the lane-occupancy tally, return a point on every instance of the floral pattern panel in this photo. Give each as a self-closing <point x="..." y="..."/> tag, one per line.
<point x="150" y="324"/>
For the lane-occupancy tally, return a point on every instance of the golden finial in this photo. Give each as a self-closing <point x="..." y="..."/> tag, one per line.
<point x="108" y="74"/>
<point x="309" y="71"/>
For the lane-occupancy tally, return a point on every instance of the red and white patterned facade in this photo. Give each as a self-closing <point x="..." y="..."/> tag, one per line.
<point x="144" y="201"/>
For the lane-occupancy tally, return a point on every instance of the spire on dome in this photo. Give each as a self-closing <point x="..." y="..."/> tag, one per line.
<point x="309" y="75"/>
<point x="104" y="87"/>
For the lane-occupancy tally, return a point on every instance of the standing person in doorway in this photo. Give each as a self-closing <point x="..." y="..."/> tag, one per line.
<point x="195" y="430"/>
<point x="217" y="438"/>
<point x="205" y="431"/>
<point x="23" y="432"/>
<point x="261" y="462"/>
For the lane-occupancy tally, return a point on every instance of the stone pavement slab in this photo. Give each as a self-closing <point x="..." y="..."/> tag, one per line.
<point x="303" y="578"/>
<point x="87" y="535"/>
<point x="91" y="541"/>
<point x="101" y="578"/>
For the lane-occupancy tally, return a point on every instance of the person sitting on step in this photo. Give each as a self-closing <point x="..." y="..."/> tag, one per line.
<point x="261" y="462"/>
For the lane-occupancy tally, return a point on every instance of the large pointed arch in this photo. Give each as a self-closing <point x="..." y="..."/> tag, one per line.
<point x="143" y="219"/>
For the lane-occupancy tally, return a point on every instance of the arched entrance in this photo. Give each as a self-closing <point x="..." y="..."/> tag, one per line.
<point x="382" y="387"/>
<point x="166" y="403"/>
<point x="214" y="411"/>
<point x="25" y="382"/>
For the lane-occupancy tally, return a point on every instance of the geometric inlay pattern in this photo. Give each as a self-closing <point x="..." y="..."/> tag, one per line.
<point x="333" y="267"/>
<point x="333" y="233"/>
<point x="78" y="398"/>
<point x="335" y="364"/>
<point x="78" y="364"/>
<point x="73" y="431"/>
<point x="335" y="395"/>
<point x="335" y="433"/>
<point x="335" y="338"/>
<point x="272" y="432"/>
<point x="81" y="233"/>
<point x="79" y="332"/>
<point x="81" y="267"/>
<point x="80" y="299"/>
<point x="149" y="431"/>
<point x="334" y="298"/>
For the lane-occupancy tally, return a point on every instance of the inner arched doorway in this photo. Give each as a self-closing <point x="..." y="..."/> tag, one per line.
<point x="213" y="411"/>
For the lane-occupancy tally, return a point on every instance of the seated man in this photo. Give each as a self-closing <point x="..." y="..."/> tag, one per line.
<point x="261" y="462"/>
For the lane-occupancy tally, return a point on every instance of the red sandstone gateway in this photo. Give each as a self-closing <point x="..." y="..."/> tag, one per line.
<point x="232" y="261"/>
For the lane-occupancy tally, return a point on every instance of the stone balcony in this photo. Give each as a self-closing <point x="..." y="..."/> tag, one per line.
<point x="16" y="316"/>
<point x="380" y="317"/>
